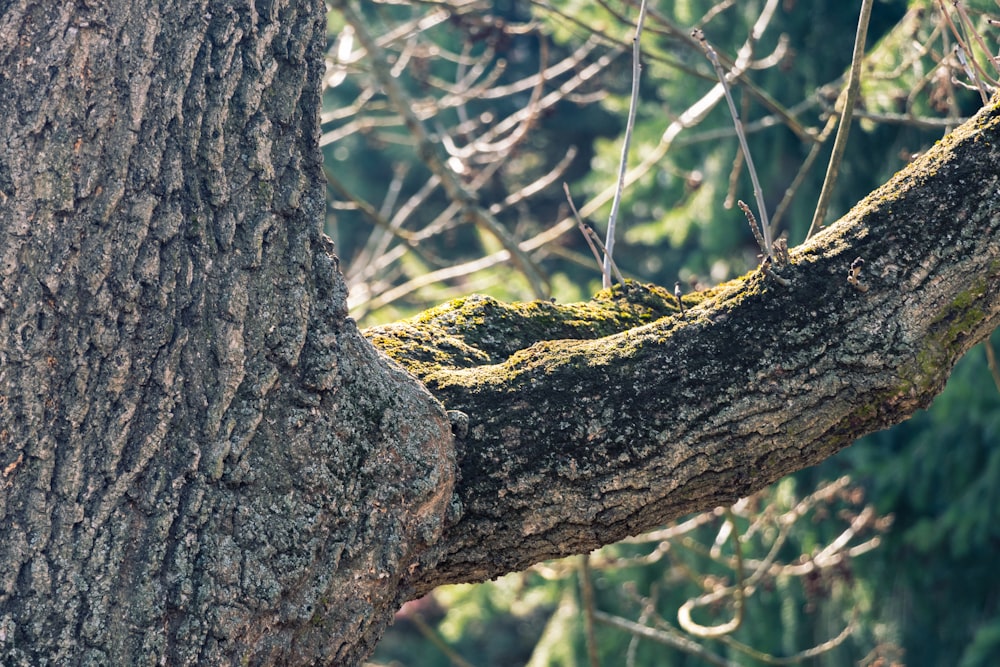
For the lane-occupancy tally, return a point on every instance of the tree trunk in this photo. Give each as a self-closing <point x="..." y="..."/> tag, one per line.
<point x="204" y="462"/>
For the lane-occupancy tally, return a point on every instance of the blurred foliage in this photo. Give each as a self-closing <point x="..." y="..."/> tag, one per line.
<point x="939" y="474"/>
<point x="929" y="594"/>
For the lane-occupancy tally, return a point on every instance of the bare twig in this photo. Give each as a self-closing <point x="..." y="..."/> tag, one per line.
<point x="736" y="590"/>
<point x="800" y="177"/>
<point x="970" y="27"/>
<point x="537" y="185"/>
<point x="767" y="524"/>
<point x="648" y="609"/>
<point x="587" y="600"/>
<point x="531" y="111"/>
<point x="761" y="241"/>
<point x="758" y="192"/>
<point x="430" y="156"/>
<point x="991" y="361"/>
<point x="432" y="635"/>
<point x="669" y="638"/>
<point x="593" y="240"/>
<point x="693" y="115"/>
<point x="584" y="229"/>
<point x="609" y="244"/>
<point x="796" y="658"/>
<point x="366" y="208"/>
<point x="840" y="141"/>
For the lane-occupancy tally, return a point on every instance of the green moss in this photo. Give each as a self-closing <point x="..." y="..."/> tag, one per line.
<point x="479" y="330"/>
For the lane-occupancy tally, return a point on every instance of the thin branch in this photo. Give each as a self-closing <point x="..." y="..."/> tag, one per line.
<point x="565" y="65"/>
<point x="796" y="658"/>
<point x="376" y="254"/>
<point x="532" y="110"/>
<point x="761" y="241"/>
<point x="979" y="38"/>
<point x="583" y="228"/>
<point x="428" y="632"/>
<point x="800" y="177"/>
<point x="672" y="639"/>
<point x="593" y="240"/>
<point x="691" y="117"/>
<point x="758" y="192"/>
<point x="367" y="209"/>
<point x="551" y="99"/>
<point x="991" y="361"/>
<point x="609" y="244"/>
<point x="969" y="27"/>
<point x="731" y="626"/>
<point x="362" y="294"/>
<point x="840" y="141"/>
<point x="587" y="599"/>
<point x="536" y="185"/>
<point x="671" y="532"/>
<point x="428" y="152"/>
<point x="648" y="609"/>
<point x="970" y="71"/>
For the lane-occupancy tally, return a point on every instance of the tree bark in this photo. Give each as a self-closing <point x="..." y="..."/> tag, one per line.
<point x="204" y="462"/>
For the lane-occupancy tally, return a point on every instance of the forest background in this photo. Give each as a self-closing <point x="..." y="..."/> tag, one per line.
<point x="884" y="554"/>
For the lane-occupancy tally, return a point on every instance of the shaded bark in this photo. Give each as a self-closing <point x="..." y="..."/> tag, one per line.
<point x="204" y="462"/>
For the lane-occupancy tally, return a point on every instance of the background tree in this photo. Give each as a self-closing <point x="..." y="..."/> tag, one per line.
<point x="205" y="462"/>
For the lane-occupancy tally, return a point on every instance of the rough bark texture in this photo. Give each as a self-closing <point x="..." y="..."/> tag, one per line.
<point x="204" y="462"/>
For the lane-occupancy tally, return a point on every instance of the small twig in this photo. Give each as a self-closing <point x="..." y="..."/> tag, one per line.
<point x="753" y="225"/>
<point x="593" y="240"/>
<point x="648" y="609"/>
<point x="769" y="271"/>
<point x="429" y="632"/>
<point x="991" y="361"/>
<point x="677" y="295"/>
<point x="799" y="657"/>
<point x="963" y="43"/>
<point x="684" y="613"/>
<point x="804" y="170"/>
<point x="614" y="267"/>
<point x="587" y="598"/>
<point x="693" y="115"/>
<point x="427" y="150"/>
<point x="584" y="229"/>
<point x="970" y="26"/>
<point x="758" y="192"/>
<point x="672" y="638"/>
<point x="609" y="244"/>
<point x="970" y="72"/>
<point x="367" y="209"/>
<point x="846" y="113"/>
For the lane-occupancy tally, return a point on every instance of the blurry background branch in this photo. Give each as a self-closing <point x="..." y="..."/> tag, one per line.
<point x="453" y="119"/>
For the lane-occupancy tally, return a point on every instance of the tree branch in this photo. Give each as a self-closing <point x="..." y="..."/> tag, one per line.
<point x="578" y="425"/>
<point x="429" y="155"/>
